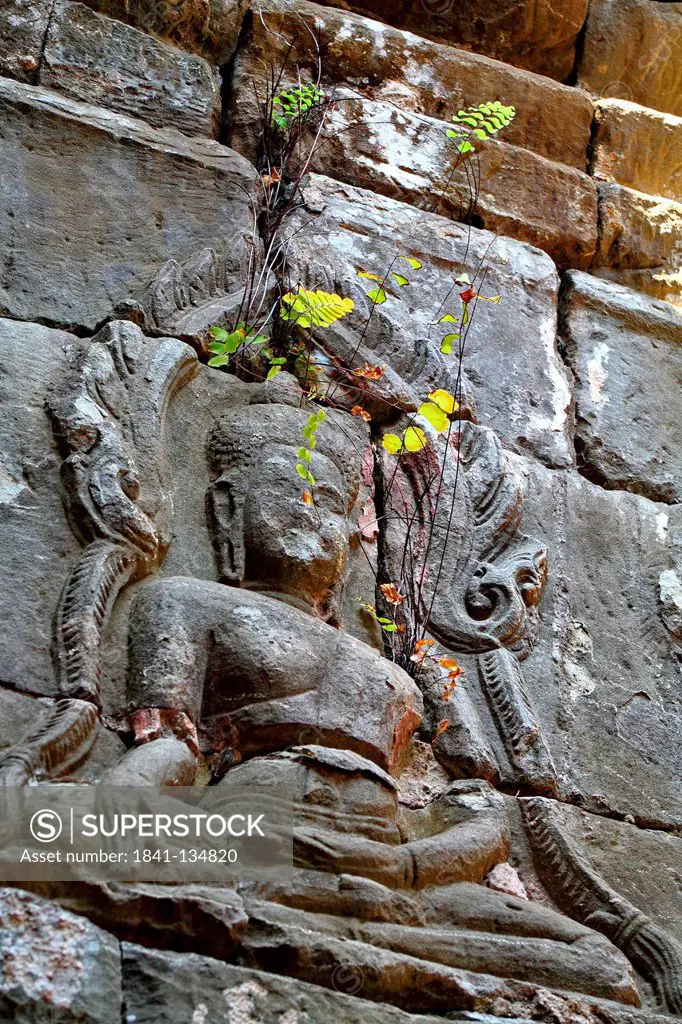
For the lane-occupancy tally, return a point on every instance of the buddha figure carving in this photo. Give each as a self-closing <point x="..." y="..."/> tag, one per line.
<point x="258" y="663"/>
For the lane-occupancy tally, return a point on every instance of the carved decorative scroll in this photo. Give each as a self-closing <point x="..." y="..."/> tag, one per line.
<point x="582" y="894"/>
<point x="109" y="421"/>
<point x="186" y="299"/>
<point x="483" y="581"/>
<point x="61" y="742"/>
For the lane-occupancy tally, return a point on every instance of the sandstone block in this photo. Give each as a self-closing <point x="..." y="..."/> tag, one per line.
<point x="418" y="75"/>
<point x="625" y="353"/>
<point x="603" y="677"/>
<point x="125" y="200"/>
<point x="371" y="141"/>
<point x="55" y="965"/>
<point x="640" y="242"/>
<point x="638" y="147"/>
<point x="101" y="61"/>
<point x="633" y="51"/>
<point x="516" y="376"/>
<point x="536" y="36"/>
<point x="185" y="917"/>
<point x="23" y="24"/>
<point x="207" y="27"/>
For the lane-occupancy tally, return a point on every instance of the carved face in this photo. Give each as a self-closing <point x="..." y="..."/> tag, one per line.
<point x="290" y="545"/>
<point x="265" y="534"/>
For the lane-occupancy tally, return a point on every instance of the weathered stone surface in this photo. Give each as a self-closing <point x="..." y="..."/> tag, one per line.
<point x="163" y="988"/>
<point x="625" y="352"/>
<point x="638" y="147"/>
<point x="417" y="75"/>
<point x="604" y="676"/>
<point x="23" y="24"/>
<point x="530" y="35"/>
<point x="520" y="386"/>
<point x="207" y="27"/>
<point x="640" y="242"/>
<point x="645" y="866"/>
<point x="55" y="965"/>
<point x="184" y="917"/>
<point x="382" y="973"/>
<point x="106" y="63"/>
<point x="37" y="543"/>
<point x="633" y="51"/>
<point x="127" y="199"/>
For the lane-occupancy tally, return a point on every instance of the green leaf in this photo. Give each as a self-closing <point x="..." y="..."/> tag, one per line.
<point x="321" y="415"/>
<point x="446" y="343"/>
<point x="391" y="628"/>
<point x="402" y="281"/>
<point x="435" y="415"/>
<point x="273" y="371"/>
<point x="462" y="279"/>
<point x="219" y="333"/>
<point x="218" y="360"/>
<point x="392" y="443"/>
<point x="414" y="439"/>
<point x="318" y="308"/>
<point x="302" y="471"/>
<point x="279" y="361"/>
<point x="414" y="263"/>
<point x="465" y="147"/>
<point x="304" y="454"/>
<point x="311" y="479"/>
<point x="377" y="295"/>
<point x="368" y="276"/>
<point x="447" y="319"/>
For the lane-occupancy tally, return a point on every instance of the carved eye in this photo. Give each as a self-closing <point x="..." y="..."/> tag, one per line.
<point x="130" y="485"/>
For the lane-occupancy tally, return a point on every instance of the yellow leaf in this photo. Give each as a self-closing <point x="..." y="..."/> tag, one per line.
<point x="392" y="443"/>
<point x="415" y="439"/>
<point x="444" y="400"/>
<point x="435" y="415"/>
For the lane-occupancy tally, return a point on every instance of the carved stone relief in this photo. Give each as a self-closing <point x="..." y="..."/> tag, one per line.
<point x="252" y="673"/>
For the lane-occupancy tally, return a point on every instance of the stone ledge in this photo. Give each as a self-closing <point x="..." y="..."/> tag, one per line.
<point x="421" y="76"/>
<point x="531" y="34"/>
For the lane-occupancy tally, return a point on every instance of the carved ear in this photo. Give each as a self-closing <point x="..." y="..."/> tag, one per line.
<point x="226" y="512"/>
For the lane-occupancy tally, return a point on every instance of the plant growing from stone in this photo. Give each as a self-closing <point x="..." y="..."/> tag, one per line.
<point x="278" y="326"/>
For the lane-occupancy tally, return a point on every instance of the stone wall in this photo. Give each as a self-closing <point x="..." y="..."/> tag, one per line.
<point x="538" y="872"/>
